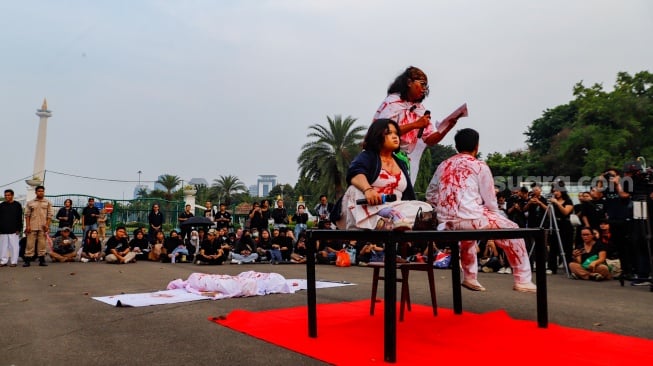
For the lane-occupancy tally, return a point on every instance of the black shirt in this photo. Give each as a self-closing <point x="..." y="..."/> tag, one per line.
<point x="11" y="217"/>
<point x="88" y="213"/>
<point x="118" y="244"/>
<point x="67" y="216"/>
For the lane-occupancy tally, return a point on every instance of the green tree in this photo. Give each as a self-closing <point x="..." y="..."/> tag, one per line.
<point x="226" y="186"/>
<point x="142" y="192"/>
<point x="596" y="130"/>
<point x="325" y="160"/>
<point x="169" y="182"/>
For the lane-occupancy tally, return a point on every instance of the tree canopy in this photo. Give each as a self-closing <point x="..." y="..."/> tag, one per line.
<point x="596" y="130"/>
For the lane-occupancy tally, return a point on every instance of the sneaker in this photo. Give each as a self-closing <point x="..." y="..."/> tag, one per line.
<point x="362" y="264"/>
<point x="525" y="287"/>
<point x="641" y="282"/>
<point x="573" y="276"/>
<point x="84" y="260"/>
<point x="502" y="270"/>
<point x="473" y="285"/>
<point x="549" y="272"/>
<point x="233" y="261"/>
<point x="508" y="270"/>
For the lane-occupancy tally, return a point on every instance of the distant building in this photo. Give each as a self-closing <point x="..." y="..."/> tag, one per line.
<point x="198" y="182"/>
<point x="158" y="186"/>
<point x="253" y="190"/>
<point x="264" y="185"/>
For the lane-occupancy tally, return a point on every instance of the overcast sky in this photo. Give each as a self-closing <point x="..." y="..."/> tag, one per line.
<point x="210" y="88"/>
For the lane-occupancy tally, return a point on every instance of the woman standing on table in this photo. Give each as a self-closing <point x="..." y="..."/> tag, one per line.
<point x="375" y="172"/>
<point x="403" y="104"/>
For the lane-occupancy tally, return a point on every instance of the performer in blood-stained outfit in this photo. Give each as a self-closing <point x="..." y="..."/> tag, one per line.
<point x="462" y="192"/>
<point x="403" y="105"/>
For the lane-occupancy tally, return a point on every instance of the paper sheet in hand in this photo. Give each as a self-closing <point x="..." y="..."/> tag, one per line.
<point x="459" y="112"/>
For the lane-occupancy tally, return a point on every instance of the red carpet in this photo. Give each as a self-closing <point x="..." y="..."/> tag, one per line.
<point x="348" y="335"/>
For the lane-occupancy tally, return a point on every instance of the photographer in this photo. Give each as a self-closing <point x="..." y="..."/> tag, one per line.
<point x="516" y="206"/>
<point x="563" y="207"/>
<point x="641" y="196"/>
<point x="535" y="206"/>
<point x="617" y="206"/>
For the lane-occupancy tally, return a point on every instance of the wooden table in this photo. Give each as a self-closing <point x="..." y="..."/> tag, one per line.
<point x="391" y="238"/>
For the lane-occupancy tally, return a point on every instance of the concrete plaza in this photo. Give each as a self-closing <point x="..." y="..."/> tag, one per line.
<point x="49" y="318"/>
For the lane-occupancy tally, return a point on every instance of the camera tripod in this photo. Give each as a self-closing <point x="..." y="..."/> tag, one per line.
<point x="549" y="213"/>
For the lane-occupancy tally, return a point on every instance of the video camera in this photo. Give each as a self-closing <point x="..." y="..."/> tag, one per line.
<point x="642" y="178"/>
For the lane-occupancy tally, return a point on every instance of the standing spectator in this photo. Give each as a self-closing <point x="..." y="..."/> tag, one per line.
<point x="462" y="192"/>
<point x="102" y="224"/>
<point x="563" y="207"/>
<point x="301" y="219"/>
<point x="593" y="210"/>
<point x="155" y="220"/>
<point x="403" y="105"/>
<point x="258" y="219"/>
<point x="90" y="214"/>
<point x="323" y="210"/>
<point x="617" y="206"/>
<point x="222" y="217"/>
<point x="516" y="204"/>
<point x="11" y="225"/>
<point x="67" y="215"/>
<point x="280" y="215"/>
<point x="63" y="248"/>
<point x="209" y="211"/>
<point x="117" y="248"/>
<point x="38" y="216"/>
<point x="185" y="230"/>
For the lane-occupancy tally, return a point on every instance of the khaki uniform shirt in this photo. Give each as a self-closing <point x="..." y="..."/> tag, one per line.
<point x="38" y="211"/>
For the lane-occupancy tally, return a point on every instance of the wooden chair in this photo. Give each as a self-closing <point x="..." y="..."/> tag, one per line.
<point x="423" y="221"/>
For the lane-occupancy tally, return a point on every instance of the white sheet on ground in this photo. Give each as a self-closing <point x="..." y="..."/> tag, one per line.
<point x="202" y="286"/>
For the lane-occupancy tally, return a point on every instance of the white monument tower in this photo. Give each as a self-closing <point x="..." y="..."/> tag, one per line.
<point x="39" y="158"/>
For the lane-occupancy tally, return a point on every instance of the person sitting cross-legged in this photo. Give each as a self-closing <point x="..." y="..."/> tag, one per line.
<point x="117" y="248"/>
<point x="63" y="248"/>
<point x="589" y="259"/>
<point x="245" y="252"/>
<point x="210" y="251"/>
<point x="92" y="248"/>
<point x="462" y="192"/>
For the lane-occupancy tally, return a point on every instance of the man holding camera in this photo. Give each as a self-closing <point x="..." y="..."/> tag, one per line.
<point x="617" y="209"/>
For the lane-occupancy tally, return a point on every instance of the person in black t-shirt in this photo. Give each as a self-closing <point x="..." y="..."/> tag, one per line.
<point x="222" y="217"/>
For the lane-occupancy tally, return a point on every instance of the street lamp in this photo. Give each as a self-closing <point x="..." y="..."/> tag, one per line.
<point x="139" y="178"/>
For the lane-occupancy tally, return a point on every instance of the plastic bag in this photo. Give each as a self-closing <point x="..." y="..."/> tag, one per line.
<point x="342" y="259"/>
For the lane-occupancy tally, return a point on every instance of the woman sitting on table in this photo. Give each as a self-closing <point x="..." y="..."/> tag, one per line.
<point x="589" y="259"/>
<point x="376" y="172"/>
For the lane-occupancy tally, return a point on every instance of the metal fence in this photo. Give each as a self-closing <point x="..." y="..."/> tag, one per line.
<point x="130" y="213"/>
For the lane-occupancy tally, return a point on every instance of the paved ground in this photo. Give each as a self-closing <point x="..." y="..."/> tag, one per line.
<point x="49" y="318"/>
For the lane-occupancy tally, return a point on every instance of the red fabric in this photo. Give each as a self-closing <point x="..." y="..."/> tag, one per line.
<point x="486" y="339"/>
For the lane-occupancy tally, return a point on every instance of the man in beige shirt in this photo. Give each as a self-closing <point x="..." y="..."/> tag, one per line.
<point x="38" y="215"/>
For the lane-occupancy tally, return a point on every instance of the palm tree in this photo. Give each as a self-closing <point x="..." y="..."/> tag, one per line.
<point x="226" y="186"/>
<point x="169" y="182"/>
<point x="142" y="192"/>
<point x="326" y="160"/>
